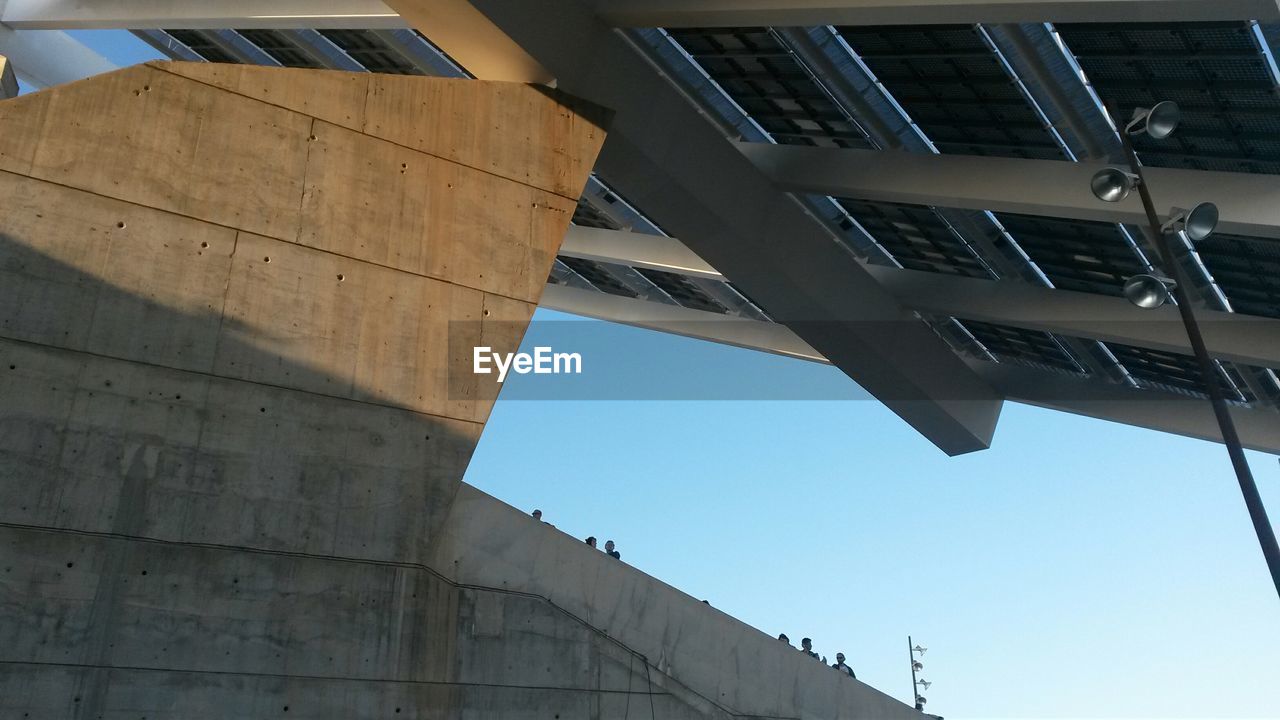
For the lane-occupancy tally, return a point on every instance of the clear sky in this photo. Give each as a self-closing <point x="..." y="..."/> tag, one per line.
<point x="1077" y="569"/>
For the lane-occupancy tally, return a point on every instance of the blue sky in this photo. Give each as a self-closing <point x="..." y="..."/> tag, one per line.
<point x="1077" y="569"/>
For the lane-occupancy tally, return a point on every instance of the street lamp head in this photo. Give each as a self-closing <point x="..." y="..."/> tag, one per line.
<point x="924" y="684"/>
<point x="1198" y="223"/>
<point x="919" y="649"/>
<point x="921" y="700"/>
<point x="1148" y="291"/>
<point x="917" y="665"/>
<point x="1112" y="184"/>
<point x="1158" y="121"/>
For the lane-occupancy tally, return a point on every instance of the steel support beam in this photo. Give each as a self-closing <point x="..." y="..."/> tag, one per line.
<point x="1230" y="336"/>
<point x="1149" y="409"/>
<point x="206" y="15"/>
<point x="42" y="58"/>
<point x="1238" y="338"/>
<point x="796" y="13"/>
<point x="1249" y="204"/>
<point x="668" y="158"/>
<point x="698" y="324"/>
<point x="1259" y="428"/>
<point x="653" y="252"/>
<point x="474" y="41"/>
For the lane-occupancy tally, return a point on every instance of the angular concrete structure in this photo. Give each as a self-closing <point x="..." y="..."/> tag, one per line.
<point x="237" y="310"/>
<point x="237" y="307"/>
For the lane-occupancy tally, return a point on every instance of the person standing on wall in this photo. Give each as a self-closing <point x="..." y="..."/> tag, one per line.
<point x="806" y="647"/>
<point x="842" y="667"/>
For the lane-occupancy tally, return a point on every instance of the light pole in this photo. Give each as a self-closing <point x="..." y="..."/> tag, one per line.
<point x="1113" y="185"/>
<point x="917" y="665"/>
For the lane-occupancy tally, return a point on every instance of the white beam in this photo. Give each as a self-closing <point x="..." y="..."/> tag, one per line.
<point x="48" y="57"/>
<point x="794" y="13"/>
<point x="1249" y="204"/>
<point x="1259" y="428"/>
<point x="198" y="14"/>
<point x="1239" y="338"/>
<point x="653" y="252"/>
<point x="701" y="325"/>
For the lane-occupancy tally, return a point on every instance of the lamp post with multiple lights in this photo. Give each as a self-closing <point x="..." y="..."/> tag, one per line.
<point x="1149" y="291"/>
<point x="917" y="665"/>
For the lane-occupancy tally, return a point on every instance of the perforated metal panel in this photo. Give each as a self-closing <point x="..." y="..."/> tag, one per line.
<point x="1025" y="347"/>
<point x="955" y="89"/>
<point x="771" y="85"/>
<point x="596" y="275"/>
<point x="588" y="216"/>
<point x="1171" y="371"/>
<point x="682" y="290"/>
<point x="203" y="45"/>
<point x="1247" y="269"/>
<point x="1217" y="74"/>
<point x="370" y="51"/>
<point x="281" y="49"/>
<point x="917" y="237"/>
<point x="1076" y="254"/>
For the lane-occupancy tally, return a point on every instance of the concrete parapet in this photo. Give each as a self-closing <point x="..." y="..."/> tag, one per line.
<point x="738" y="669"/>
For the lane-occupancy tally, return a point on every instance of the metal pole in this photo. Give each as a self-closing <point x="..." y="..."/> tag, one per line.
<point x="1257" y="512"/>
<point x="915" y="689"/>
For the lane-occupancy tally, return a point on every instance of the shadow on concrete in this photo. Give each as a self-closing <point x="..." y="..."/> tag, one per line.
<point x="177" y="544"/>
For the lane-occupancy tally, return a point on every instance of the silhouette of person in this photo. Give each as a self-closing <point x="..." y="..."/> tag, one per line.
<point x="842" y="667"/>
<point x="806" y="647"/>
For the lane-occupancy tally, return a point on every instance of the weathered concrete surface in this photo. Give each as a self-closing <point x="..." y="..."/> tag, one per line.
<point x="236" y="316"/>
<point x="740" y="669"/>
<point x="232" y="301"/>
<point x="207" y="631"/>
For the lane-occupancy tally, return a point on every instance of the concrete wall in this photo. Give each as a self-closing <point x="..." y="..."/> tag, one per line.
<point x="714" y="656"/>
<point x="237" y="307"/>
<point x="236" y="313"/>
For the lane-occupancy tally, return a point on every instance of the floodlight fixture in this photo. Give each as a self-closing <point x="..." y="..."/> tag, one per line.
<point x="1113" y="184"/>
<point x="1148" y="291"/>
<point x="1198" y="223"/>
<point x="1158" y="121"/>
